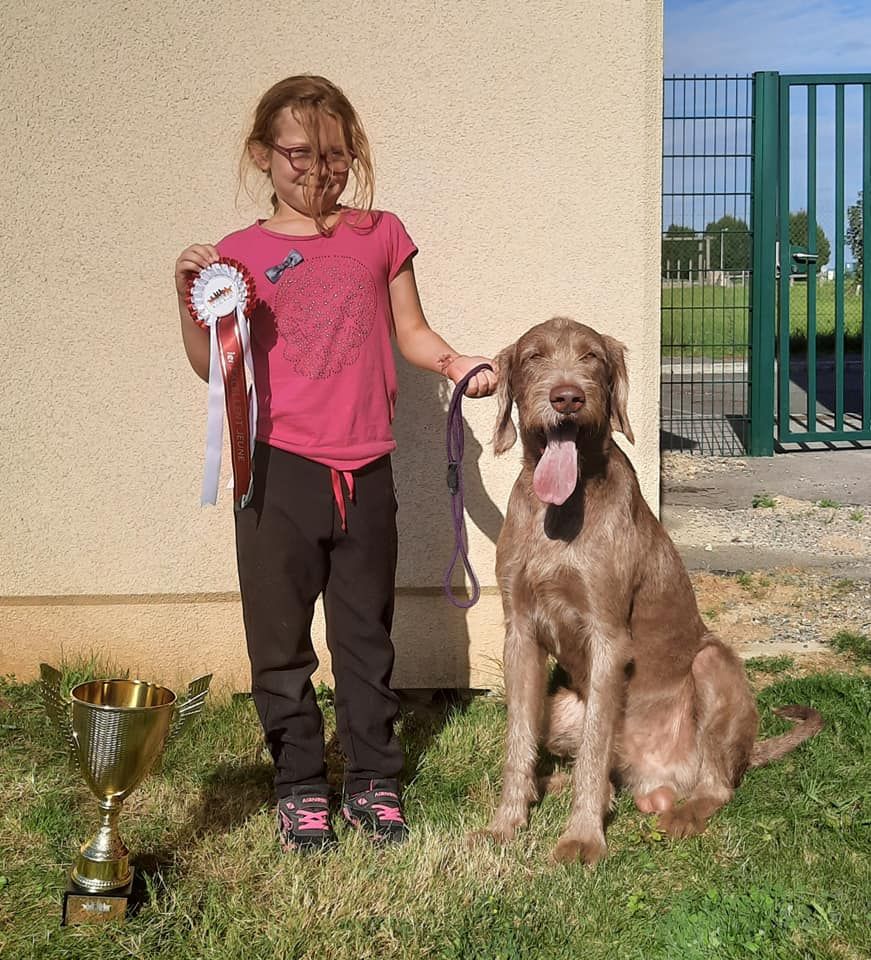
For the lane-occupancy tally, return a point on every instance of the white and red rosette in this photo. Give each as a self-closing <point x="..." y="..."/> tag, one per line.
<point x="220" y="298"/>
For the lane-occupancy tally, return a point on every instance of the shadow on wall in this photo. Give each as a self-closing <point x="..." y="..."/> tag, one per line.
<point x="426" y="534"/>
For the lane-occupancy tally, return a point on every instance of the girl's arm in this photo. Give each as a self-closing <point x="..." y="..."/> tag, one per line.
<point x="196" y="339"/>
<point x="422" y="346"/>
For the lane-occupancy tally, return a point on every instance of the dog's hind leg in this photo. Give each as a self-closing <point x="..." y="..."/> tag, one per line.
<point x="655" y="801"/>
<point x="525" y="683"/>
<point x="727" y="722"/>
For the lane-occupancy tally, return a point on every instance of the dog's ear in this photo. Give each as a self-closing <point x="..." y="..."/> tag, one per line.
<point x="505" y="433"/>
<point x="619" y="387"/>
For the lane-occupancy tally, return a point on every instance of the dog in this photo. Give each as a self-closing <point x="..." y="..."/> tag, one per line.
<point x="656" y="703"/>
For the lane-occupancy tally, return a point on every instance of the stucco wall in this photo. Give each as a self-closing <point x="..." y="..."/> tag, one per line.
<point x="520" y="144"/>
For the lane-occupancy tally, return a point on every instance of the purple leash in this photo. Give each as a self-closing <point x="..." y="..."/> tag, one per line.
<point x="456" y="441"/>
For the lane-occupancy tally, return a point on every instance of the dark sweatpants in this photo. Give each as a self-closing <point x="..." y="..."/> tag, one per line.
<point x="290" y="547"/>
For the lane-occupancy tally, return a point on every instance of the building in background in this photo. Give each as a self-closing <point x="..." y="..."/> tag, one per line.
<point x="519" y="143"/>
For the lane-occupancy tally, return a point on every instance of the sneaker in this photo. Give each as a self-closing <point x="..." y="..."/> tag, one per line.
<point x="304" y="820"/>
<point x="377" y="811"/>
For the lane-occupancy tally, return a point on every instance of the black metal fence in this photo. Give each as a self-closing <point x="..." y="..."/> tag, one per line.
<point x="706" y="263"/>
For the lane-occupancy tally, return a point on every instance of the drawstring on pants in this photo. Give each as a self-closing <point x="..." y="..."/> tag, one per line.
<point x="336" y="477"/>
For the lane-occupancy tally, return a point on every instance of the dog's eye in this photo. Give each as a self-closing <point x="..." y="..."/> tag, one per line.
<point x="534" y="356"/>
<point x="589" y="355"/>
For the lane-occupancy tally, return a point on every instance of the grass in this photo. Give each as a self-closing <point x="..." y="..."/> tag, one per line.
<point x="755" y="584"/>
<point x="783" y="872"/>
<point x="857" y="645"/>
<point x="842" y="586"/>
<point x="829" y="504"/>
<point x="769" y="665"/>
<point x="763" y="500"/>
<point x="712" y="321"/>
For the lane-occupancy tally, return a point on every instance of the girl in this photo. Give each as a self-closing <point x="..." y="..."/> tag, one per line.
<point x="333" y="282"/>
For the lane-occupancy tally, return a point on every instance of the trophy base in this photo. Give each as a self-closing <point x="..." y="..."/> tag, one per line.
<point x="82" y="906"/>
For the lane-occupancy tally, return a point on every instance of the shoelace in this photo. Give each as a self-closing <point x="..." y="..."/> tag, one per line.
<point x="388" y="813"/>
<point x="313" y="819"/>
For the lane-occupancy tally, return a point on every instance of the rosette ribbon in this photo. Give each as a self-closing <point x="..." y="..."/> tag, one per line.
<point x="220" y="299"/>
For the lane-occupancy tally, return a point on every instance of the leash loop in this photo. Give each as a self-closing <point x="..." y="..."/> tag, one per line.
<point x="455" y="445"/>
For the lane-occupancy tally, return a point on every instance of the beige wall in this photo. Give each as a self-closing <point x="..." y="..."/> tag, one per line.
<point x="519" y="142"/>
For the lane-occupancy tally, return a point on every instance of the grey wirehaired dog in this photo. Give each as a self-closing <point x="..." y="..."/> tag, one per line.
<point x="656" y="703"/>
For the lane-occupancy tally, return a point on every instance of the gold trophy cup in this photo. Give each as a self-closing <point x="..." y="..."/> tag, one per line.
<point x="115" y="730"/>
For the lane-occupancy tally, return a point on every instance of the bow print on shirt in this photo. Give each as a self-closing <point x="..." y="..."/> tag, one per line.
<point x="273" y="274"/>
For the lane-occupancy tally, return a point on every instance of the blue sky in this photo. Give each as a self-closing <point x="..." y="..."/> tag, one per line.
<point x="739" y="37"/>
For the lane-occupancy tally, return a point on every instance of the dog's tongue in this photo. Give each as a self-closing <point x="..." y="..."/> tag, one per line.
<point x="557" y="471"/>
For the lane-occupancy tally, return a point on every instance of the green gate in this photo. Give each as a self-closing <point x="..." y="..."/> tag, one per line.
<point x="766" y="329"/>
<point x="706" y="262"/>
<point x="811" y="320"/>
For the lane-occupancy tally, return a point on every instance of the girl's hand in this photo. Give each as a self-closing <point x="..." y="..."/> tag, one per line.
<point x="191" y="261"/>
<point x="482" y="384"/>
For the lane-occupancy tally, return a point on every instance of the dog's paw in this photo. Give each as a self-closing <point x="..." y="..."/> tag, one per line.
<point x="569" y="848"/>
<point x="498" y="831"/>
<point x="478" y="838"/>
<point x="681" y="822"/>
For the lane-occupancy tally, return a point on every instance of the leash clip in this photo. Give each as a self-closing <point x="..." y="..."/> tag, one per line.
<point x="454" y="478"/>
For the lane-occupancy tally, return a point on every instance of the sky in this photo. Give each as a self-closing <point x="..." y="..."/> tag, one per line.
<point x="791" y="36"/>
<point x="739" y="37"/>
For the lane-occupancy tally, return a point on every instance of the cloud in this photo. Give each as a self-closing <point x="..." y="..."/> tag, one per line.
<point x="742" y="36"/>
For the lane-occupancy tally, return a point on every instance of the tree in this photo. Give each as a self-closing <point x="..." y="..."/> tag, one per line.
<point x="798" y="237"/>
<point x="854" y="234"/>
<point x="679" y="246"/>
<point x="730" y="244"/>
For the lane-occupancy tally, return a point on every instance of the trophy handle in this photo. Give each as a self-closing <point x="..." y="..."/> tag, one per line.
<point x="188" y="708"/>
<point x="56" y="707"/>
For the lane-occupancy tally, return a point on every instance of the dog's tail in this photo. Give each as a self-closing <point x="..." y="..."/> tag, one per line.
<point x="808" y="723"/>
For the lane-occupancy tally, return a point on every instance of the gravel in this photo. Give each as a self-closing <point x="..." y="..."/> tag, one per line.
<point x="797" y="607"/>
<point x="792" y="525"/>
<point x="784" y="611"/>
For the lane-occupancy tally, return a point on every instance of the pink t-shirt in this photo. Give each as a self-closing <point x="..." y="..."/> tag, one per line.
<point x="320" y="336"/>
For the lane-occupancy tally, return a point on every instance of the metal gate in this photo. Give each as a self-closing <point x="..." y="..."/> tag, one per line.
<point x="766" y="329"/>
<point x="819" y="129"/>
<point x="706" y="263"/>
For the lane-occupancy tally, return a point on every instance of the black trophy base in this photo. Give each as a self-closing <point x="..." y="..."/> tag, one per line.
<point x="82" y="906"/>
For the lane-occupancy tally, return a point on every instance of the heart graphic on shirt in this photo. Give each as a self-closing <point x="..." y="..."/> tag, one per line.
<point x="325" y="309"/>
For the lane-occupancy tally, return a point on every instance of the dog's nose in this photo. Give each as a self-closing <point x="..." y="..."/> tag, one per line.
<point x="567" y="398"/>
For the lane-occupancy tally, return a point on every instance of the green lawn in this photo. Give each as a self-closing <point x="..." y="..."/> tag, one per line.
<point x="783" y="872"/>
<point x="712" y="321"/>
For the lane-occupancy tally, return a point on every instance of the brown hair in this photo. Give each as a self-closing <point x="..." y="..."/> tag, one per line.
<point x="313" y="98"/>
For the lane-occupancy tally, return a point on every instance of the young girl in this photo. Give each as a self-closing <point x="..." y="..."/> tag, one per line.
<point x="333" y="282"/>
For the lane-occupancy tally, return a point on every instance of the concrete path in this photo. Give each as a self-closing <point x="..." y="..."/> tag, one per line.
<point x="707" y="507"/>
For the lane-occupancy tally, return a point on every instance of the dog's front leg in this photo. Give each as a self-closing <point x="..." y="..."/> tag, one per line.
<point x="525" y="681"/>
<point x="584" y="836"/>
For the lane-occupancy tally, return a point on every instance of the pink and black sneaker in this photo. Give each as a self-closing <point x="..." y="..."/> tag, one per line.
<point x="304" y="820"/>
<point x="377" y="811"/>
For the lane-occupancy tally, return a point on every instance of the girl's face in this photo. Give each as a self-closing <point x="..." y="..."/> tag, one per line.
<point x="302" y="173"/>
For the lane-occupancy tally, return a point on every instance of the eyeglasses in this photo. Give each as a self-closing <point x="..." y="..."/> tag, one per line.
<point x="303" y="159"/>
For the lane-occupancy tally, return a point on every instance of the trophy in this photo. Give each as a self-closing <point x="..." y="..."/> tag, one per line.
<point x="115" y="730"/>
